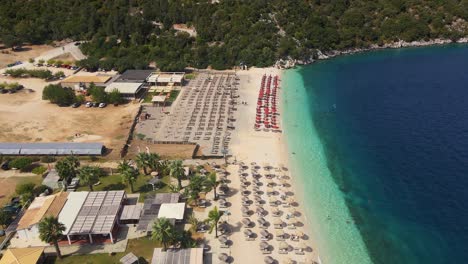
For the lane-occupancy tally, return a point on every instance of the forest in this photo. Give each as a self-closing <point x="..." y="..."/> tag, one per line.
<point x="124" y="34"/>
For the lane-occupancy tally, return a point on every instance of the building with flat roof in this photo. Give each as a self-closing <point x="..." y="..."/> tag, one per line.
<point x="77" y="80"/>
<point x="172" y="211"/>
<point x="151" y="209"/>
<point x="135" y="76"/>
<point x="178" y="256"/>
<point x="53" y="148"/>
<point x="167" y="78"/>
<point x="128" y="90"/>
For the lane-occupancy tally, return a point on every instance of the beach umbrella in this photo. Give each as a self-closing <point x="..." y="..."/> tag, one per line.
<point x="264" y="245"/>
<point x="299" y="233"/>
<point x="245" y="192"/>
<point x="246" y="221"/>
<point x="248" y="232"/>
<point x="275" y="211"/>
<point x="303" y="245"/>
<point x="269" y="260"/>
<point x="292" y="211"/>
<point x="277" y="221"/>
<point x="245" y="199"/>
<point x="261" y="220"/>
<point x="223" y="239"/>
<point x="245" y="209"/>
<point x="283" y="245"/>
<point x="223" y="257"/>
<point x="279" y="233"/>
<point x="264" y="233"/>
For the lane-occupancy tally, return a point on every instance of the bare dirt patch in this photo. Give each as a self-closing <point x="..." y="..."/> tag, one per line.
<point x="8" y="56"/>
<point x="25" y="117"/>
<point x="65" y="57"/>
<point x="9" y="185"/>
<point x="166" y="151"/>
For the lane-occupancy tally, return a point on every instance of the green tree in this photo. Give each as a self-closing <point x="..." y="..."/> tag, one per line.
<point x="67" y="167"/>
<point x="25" y="188"/>
<point x="5" y="218"/>
<point x="194" y="223"/>
<point x="163" y="232"/>
<point x="212" y="183"/>
<point x="89" y="175"/>
<point x="51" y="231"/>
<point x="97" y="93"/>
<point x="213" y="217"/>
<point x="56" y="94"/>
<point x="177" y="171"/>
<point x="114" y="97"/>
<point x="22" y="163"/>
<point x="142" y="160"/>
<point x="128" y="173"/>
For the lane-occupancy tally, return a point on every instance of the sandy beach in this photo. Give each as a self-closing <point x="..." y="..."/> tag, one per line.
<point x="259" y="148"/>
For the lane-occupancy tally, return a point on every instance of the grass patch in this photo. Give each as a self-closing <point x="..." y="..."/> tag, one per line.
<point x="141" y="247"/>
<point x="114" y="182"/>
<point x="190" y="76"/>
<point x="173" y="96"/>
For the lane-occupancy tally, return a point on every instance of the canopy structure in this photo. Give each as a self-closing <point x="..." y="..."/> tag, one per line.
<point x="65" y="148"/>
<point x="131" y="212"/>
<point x="179" y="256"/>
<point x="172" y="211"/>
<point x="22" y="255"/>
<point x="130" y="258"/>
<point x="151" y="208"/>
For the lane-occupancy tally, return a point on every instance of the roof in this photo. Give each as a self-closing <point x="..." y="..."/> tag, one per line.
<point x="98" y="213"/>
<point x="172" y="210"/>
<point x="64" y="148"/>
<point x="87" y="79"/>
<point x="130" y="258"/>
<point x="57" y="205"/>
<point x="71" y="209"/>
<point x="135" y="75"/>
<point x="124" y="87"/>
<point x="36" y="211"/>
<point x="131" y="212"/>
<point x="166" y="77"/>
<point x="158" y="99"/>
<point x="22" y="255"/>
<point x="151" y="208"/>
<point x="178" y="256"/>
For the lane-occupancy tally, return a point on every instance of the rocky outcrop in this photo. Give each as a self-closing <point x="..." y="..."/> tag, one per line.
<point x="291" y="63"/>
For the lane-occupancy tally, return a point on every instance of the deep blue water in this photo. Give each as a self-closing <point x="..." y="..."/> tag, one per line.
<point x="394" y="125"/>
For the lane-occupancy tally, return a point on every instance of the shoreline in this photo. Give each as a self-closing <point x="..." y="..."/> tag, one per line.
<point x="290" y="63"/>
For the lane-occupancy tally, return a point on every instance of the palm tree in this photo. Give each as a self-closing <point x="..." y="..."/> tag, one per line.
<point x="163" y="232"/>
<point x="66" y="168"/>
<point x="177" y="171"/>
<point x="51" y="231"/>
<point x="213" y="217"/>
<point x="153" y="161"/>
<point x="142" y="161"/>
<point x="194" y="223"/>
<point x="212" y="182"/>
<point x="128" y="173"/>
<point x="89" y="175"/>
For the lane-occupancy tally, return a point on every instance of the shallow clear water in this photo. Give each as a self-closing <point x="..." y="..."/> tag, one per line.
<point x="380" y="143"/>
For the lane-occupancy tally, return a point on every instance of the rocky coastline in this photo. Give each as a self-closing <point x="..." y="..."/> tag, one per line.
<point x="291" y="63"/>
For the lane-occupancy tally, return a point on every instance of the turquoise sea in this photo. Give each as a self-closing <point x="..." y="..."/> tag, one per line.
<point x="378" y="143"/>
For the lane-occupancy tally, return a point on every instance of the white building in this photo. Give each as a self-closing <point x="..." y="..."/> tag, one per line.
<point x="128" y="90"/>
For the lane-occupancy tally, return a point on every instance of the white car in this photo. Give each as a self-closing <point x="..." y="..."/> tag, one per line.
<point x="102" y="105"/>
<point x="88" y="104"/>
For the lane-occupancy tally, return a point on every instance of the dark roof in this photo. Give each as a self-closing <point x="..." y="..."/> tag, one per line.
<point x="134" y="75"/>
<point x="66" y="148"/>
<point x="151" y="208"/>
<point x="178" y="256"/>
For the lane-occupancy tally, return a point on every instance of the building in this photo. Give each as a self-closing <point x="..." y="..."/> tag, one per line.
<point x="31" y="255"/>
<point x="41" y="207"/>
<point x="128" y="90"/>
<point x="167" y="78"/>
<point x="135" y="76"/>
<point x="76" y="81"/>
<point x="172" y="211"/>
<point x="151" y="208"/>
<point x="52" y="149"/>
<point x="91" y="217"/>
<point x="178" y="256"/>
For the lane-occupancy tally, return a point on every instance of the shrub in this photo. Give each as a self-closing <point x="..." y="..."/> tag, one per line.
<point x="21" y="163"/>
<point x="39" y="170"/>
<point x="56" y="94"/>
<point x="48" y="159"/>
<point x="25" y="188"/>
<point x="40" y="189"/>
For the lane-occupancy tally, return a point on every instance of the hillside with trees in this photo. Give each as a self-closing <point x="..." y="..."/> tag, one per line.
<point x="125" y="34"/>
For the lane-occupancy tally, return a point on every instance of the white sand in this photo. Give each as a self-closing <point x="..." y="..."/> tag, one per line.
<point x="249" y="146"/>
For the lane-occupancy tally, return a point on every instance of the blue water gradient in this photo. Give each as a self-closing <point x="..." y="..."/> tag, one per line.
<point x="393" y="129"/>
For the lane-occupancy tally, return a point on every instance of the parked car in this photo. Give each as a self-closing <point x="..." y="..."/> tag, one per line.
<point x="75" y="105"/>
<point x="95" y="104"/>
<point x="102" y="105"/>
<point x="89" y="104"/>
<point x="6" y="165"/>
